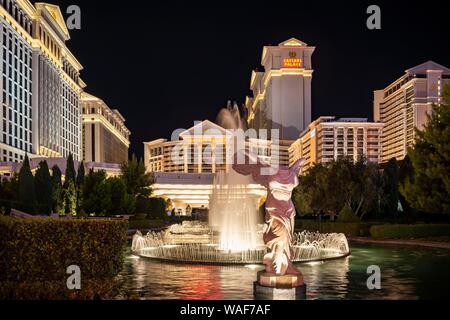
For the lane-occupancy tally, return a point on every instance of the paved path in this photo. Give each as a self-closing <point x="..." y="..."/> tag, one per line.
<point x="422" y="243"/>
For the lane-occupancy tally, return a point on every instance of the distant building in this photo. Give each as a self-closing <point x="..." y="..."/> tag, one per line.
<point x="282" y="92"/>
<point x="205" y="147"/>
<point x="328" y="139"/>
<point x="106" y="139"/>
<point x="403" y="106"/>
<point x="41" y="85"/>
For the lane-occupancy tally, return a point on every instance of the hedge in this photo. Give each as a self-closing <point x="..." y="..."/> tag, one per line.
<point x="397" y="231"/>
<point x="350" y="229"/>
<point x="33" y="250"/>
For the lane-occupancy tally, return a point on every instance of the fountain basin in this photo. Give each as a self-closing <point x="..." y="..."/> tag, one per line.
<point x="203" y="248"/>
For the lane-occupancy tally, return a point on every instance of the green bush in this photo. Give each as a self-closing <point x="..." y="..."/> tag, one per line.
<point x="359" y="229"/>
<point x="41" y="249"/>
<point x="347" y="215"/>
<point x="57" y="290"/>
<point x="153" y="207"/>
<point x="396" y="231"/>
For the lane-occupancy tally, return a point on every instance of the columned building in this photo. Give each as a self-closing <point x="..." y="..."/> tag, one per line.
<point x="208" y="148"/>
<point x="41" y="112"/>
<point x="106" y="139"/>
<point x="282" y="92"/>
<point x="404" y="104"/>
<point x="328" y="139"/>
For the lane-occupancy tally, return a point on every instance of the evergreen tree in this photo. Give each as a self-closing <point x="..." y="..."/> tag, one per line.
<point x="96" y="193"/>
<point x="43" y="183"/>
<point x="429" y="189"/>
<point x="80" y="175"/>
<point x="137" y="181"/>
<point x="391" y="188"/>
<point x="57" y="191"/>
<point x="9" y="194"/>
<point x="79" y="186"/>
<point x="70" y="198"/>
<point x="70" y="170"/>
<point x="27" y="191"/>
<point x="406" y="171"/>
<point x="121" y="202"/>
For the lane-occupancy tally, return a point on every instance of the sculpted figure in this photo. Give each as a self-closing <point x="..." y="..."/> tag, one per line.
<point x="280" y="210"/>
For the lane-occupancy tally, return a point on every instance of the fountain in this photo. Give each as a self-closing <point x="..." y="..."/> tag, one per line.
<point x="203" y="247"/>
<point x="237" y="233"/>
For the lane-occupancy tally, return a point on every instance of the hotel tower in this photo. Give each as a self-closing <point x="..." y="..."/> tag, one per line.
<point x="40" y="81"/>
<point x="282" y="92"/>
<point x="106" y="139"/>
<point x="404" y="104"/>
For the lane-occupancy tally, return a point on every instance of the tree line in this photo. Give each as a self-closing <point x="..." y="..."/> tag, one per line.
<point x="77" y="193"/>
<point x="418" y="184"/>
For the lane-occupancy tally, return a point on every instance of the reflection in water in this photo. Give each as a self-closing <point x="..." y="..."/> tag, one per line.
<point x="407" y="273"/>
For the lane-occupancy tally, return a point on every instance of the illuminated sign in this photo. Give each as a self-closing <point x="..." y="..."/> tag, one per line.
<point x="293" y="61"/>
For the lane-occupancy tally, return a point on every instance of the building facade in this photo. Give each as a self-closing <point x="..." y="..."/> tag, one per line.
<point x="106" y="139"/>
<point x="282" y="92"/>
<point x="41" y="111"/>
<point x="208" y="148"/>
<point x="404" y="104"/>
<point x="328" y="139"/>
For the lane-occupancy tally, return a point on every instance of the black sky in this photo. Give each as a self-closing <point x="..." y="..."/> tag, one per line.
<point x="166" y="64"/>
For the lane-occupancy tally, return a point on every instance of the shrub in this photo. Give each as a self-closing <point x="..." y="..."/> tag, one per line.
<point x="42" y="249"/>
<point x="153" y="207"/>
<point x="57" y="290"/>
<point x="347" y="215"/>
<point x="397" y="231"/>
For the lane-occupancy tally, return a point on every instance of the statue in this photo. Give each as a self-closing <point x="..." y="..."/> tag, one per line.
<point x="280" y="211"/>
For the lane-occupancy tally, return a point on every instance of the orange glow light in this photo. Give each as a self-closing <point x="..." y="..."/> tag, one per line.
<point x="293" y="63"/>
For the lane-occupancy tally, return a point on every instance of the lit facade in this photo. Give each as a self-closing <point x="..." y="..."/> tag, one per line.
<point x="41" y="113"/>
<point x="105" y="137"/>
<point x="282" y="93"/>
<point x="328" y="139"/>
<point x="207" y="148"/>
<point x="403" y="106"/>
<point x="184" y="169"/>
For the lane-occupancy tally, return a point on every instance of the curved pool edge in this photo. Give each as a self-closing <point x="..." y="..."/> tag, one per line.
<point x="223" y="264"/>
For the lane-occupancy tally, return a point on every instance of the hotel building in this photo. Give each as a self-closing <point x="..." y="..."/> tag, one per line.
<point x="206" y="147"/>
<point x="282" y="92"/>
<point x="40" y="113"/>
<point x="403" y="106"/>
<point x="328" y="139"/>
<point x="106" y="139"/>
<point x="184" y="169"/>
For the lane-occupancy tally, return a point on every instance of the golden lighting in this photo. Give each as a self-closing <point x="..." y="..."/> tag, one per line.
<point x="293" y="63"/>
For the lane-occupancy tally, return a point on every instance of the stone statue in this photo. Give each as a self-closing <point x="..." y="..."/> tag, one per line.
<point x="280" y="211"/>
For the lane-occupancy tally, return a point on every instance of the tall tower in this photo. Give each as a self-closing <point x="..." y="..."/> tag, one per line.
<point x="403" y="106"/>
<point x="282" y="93"/>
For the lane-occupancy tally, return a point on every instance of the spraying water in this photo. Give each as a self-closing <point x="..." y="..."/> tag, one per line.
<point x="234" y="212"/>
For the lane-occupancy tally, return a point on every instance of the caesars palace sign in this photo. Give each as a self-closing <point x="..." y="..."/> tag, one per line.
<point x="293" y="61"/>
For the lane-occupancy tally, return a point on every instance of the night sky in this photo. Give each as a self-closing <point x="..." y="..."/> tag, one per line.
<point x="166" y="65"/>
